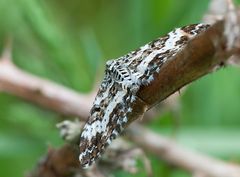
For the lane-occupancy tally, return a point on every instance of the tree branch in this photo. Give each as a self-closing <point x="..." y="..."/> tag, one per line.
<point x="41" y="91"/>
<point x="57" y="163"/>
<point x="174" y="154"/>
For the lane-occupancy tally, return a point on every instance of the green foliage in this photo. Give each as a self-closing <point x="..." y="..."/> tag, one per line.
<point x="69" y="41"/>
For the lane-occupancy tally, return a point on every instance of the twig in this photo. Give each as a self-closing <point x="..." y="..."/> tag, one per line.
<point x="7" y="52"/>
<point x="57" y="163"/>
<point x="174" y="154"/>
<point x="43" y="92"/>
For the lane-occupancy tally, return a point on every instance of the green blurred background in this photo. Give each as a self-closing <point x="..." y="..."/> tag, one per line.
<point x="68" y="41"/>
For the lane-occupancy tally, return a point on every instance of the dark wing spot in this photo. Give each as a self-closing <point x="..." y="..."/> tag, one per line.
<point x="182" y="40"/>
<point x="189" y="29"/>
<point x="195" y="28"/>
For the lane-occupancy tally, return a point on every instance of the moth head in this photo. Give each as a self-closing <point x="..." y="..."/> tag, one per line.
<point x="110" y="64"/>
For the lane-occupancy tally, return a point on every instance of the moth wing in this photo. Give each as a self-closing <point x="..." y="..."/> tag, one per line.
<point x="107" y="119"/>
<point x="113" y="102"/>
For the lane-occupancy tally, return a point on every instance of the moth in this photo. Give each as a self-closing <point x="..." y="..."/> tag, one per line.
<point x="118" y="91"/>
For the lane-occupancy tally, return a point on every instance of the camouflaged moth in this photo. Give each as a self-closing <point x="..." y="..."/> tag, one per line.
<point x="118" y="91"/>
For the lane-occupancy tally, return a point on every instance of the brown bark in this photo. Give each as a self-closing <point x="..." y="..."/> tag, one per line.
<point x="58" y="163"/>
<point x="42" y="92"/>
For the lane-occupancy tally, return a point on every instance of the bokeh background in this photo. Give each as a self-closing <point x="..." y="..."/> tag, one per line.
<point x="68" y="41"/>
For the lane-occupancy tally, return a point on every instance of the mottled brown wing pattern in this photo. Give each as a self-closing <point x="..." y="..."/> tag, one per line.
<point x="117" y="93"/>
<point x="108" y="118"/>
